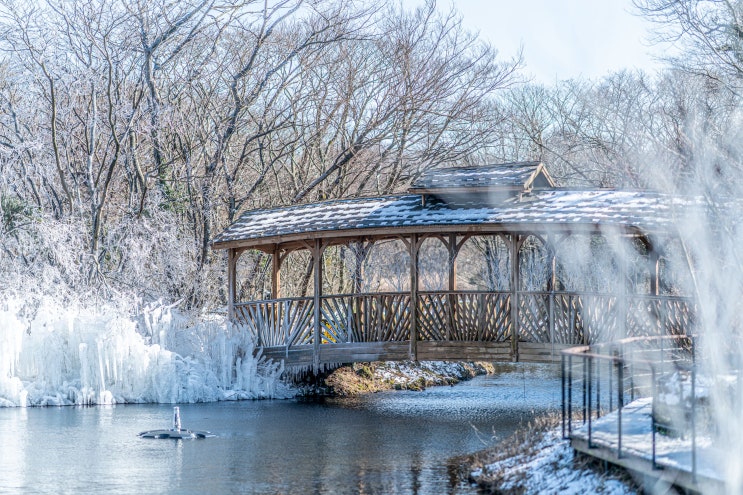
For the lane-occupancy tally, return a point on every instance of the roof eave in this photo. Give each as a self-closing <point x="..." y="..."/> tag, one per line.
<point x="300" y="240"/>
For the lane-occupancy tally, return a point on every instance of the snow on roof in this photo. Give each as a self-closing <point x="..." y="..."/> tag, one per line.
<point x="562" y="210"/>
<point x="517" y="175"/>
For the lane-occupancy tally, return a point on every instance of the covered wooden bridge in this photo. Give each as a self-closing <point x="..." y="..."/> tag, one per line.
<point x="528" y="311"/>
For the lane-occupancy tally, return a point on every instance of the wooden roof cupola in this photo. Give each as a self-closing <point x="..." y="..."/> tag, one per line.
<point x="484" y="185"/>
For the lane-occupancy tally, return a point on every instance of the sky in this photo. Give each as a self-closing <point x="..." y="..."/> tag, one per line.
<point x="562" y="39"/>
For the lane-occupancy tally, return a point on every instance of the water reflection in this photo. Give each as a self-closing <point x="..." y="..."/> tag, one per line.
<point x="397" y="442"/>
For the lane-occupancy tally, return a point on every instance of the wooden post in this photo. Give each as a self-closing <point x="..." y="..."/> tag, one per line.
<point x="453" y="251"/>
<point x="278" y="322"/>
<point x="231" y="283"/>
<point x="515" y="281"/>
<point x="452" y="298"/>
<point x="414" y="245"/>
<point x="317" y="252"/>
<point x="359" y="306"/>
<point x="276" y="273"/>
<point x="551" y="302"/>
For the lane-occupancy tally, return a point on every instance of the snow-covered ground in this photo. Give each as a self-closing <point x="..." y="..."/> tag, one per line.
<point x="542" y="462"/>
<point x="57" y="355"/>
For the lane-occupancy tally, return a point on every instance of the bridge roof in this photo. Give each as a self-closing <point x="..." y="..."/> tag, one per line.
<point x="516" y="176"/>
<point x="541" y="211"/>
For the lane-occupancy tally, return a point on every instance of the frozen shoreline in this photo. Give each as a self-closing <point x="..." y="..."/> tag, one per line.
<point x="88" y="356"/>
<point x="75" y="355"/>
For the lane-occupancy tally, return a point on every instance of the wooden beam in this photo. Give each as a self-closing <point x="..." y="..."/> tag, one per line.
<point x="299" y="240"/>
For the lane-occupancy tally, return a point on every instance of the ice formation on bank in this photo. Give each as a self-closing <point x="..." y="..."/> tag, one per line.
<point x="78" y="356"/>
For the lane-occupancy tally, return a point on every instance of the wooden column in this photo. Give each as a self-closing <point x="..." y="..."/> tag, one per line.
<point x="414" y="247"/>
<point x="452" y="299"/>
<point x="276" y="273"/>
<point x="453" y="251"/>
<point x="551" y="303"/>
<point x="359" y="307"/>
<point x="231" y="283"/>
<point x="317" y="252"/>
<point x="515" y="244"/>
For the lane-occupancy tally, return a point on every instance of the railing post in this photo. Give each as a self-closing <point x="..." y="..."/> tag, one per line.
<point x="572" y="301"/>
<point x="570" y="394"/>
<point x="652" y="412"/>
<point x="562" y="388"/>
<point x="349" y="318"/>
<point x="583" y="389"/>
<point x="598" y="389"/>
<point x="693" y="413"/>
<point x="611" y="380"/>
<point x="451" y="303"/>
<point x="590" y="380"/>
<point x="551" y="317"/>
<point x="631" y="374"/>
<point x="284" y="312"/>
<point x="620" y="402"/>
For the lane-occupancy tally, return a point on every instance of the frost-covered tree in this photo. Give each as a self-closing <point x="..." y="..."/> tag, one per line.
<point x="149" y="126"/>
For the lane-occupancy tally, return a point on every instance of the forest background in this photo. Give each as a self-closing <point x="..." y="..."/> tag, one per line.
<point x="132" y="132"/>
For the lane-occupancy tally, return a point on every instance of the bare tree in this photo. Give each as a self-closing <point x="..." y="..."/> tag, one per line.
<point x="708" y="33"/>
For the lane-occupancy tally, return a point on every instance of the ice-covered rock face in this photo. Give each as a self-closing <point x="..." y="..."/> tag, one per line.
<point x="81" y="356"/>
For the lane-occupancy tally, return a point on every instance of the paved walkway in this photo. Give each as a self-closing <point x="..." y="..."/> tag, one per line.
<point x="674" y="459"/>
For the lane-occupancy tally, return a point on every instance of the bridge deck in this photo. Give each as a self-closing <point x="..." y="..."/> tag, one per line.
<point x="303" y="355"/>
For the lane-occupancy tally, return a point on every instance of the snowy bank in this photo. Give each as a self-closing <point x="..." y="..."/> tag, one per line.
<point x="55" y="355"/>
<point x="537" y="460"/>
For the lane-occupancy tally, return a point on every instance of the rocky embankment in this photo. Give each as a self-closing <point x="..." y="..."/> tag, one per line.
<point x="362" y="378"/>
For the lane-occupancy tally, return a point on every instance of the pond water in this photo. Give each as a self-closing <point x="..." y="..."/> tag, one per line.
<point x="390" y="442"/>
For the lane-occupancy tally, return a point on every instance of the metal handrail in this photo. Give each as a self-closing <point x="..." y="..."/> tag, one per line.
<point x="620" y="356"/>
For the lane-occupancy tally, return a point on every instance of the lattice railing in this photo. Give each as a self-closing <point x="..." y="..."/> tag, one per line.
<point x="366" y="318"/>
<point x="337" y="319"/>
<point x="543" y="317"/>
<point x="278" y="322"/>
<point x="659" y="315"/>
<point x="534" y="317"/>
<point x="567" y="326"/>
<point x="464" y="316"/>
<point x="598" y="317"/>
<point x="384" y="317"/>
